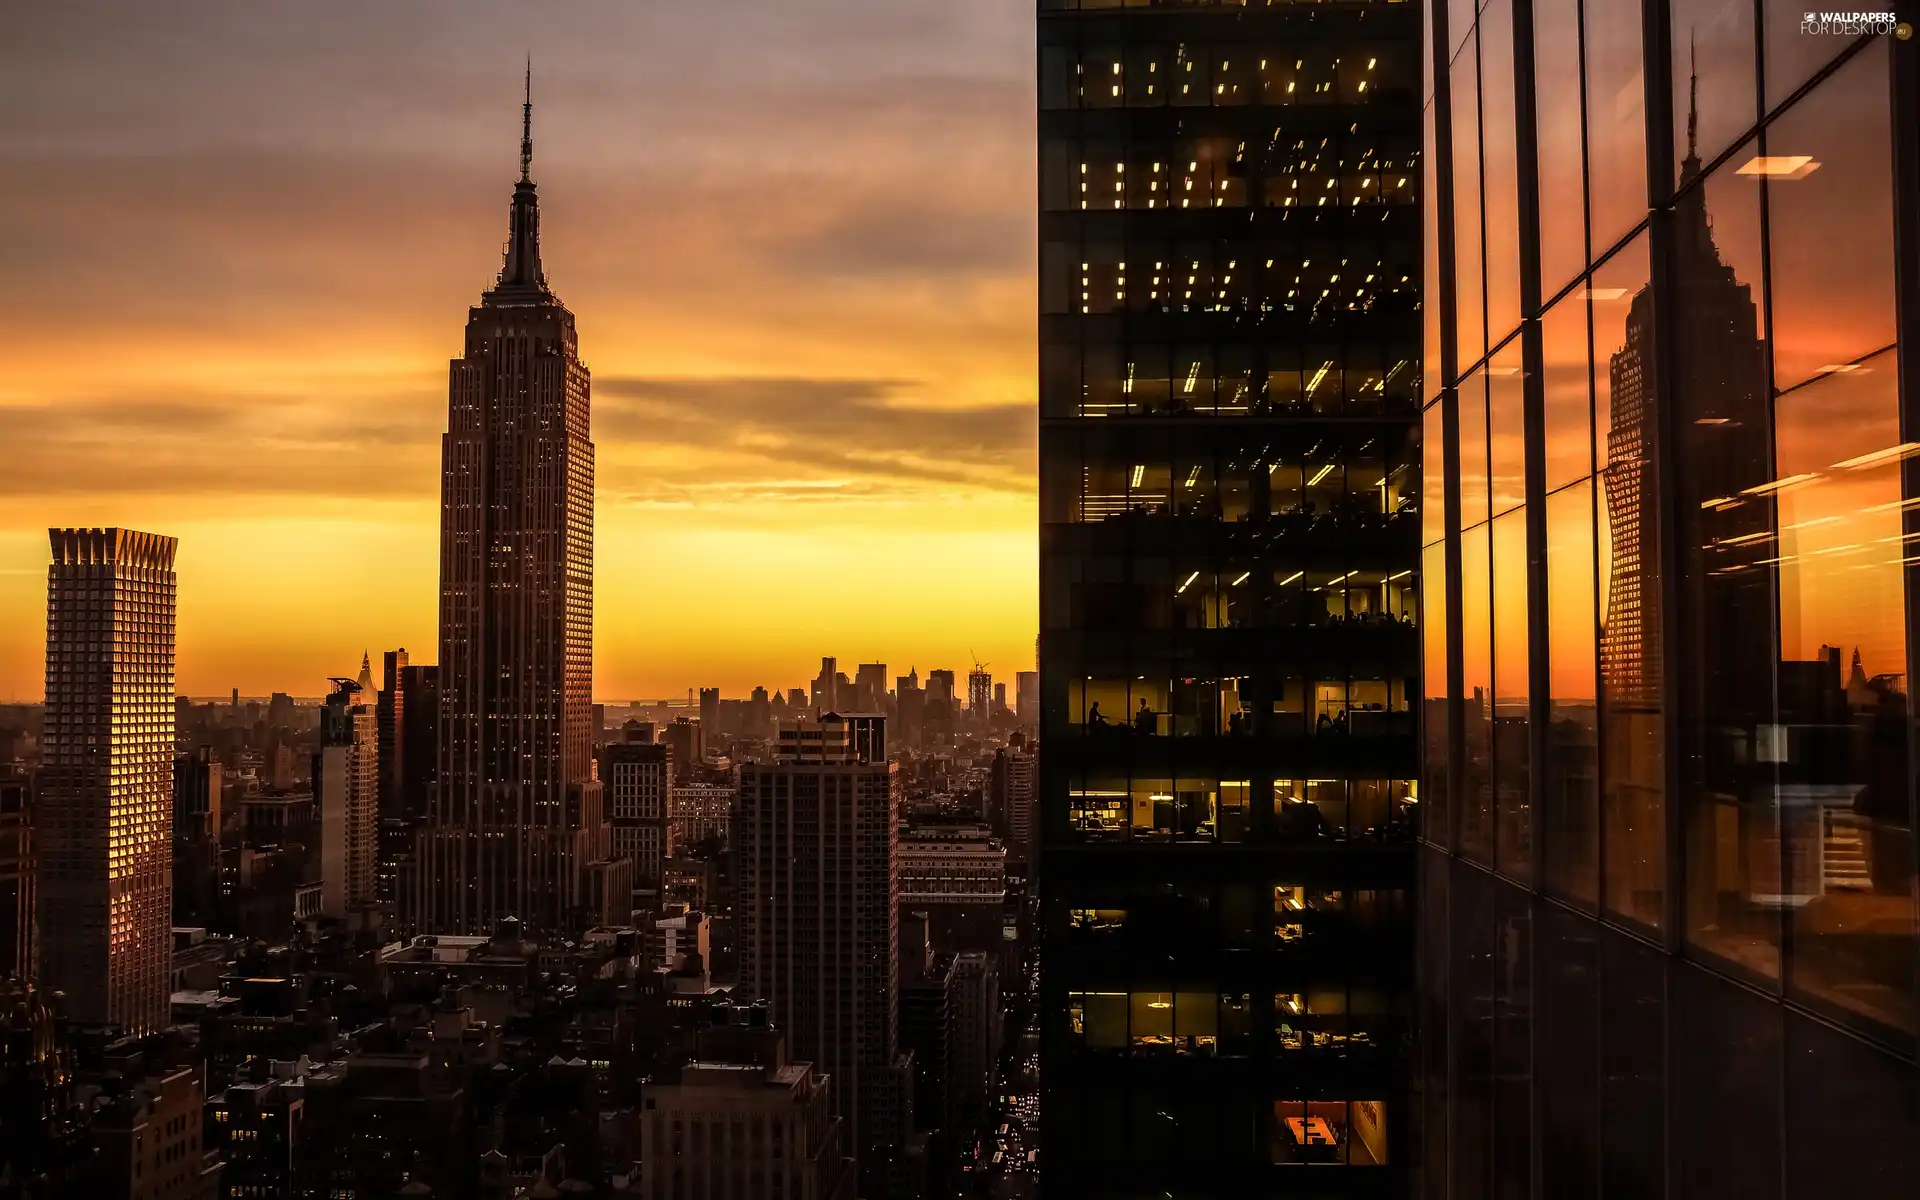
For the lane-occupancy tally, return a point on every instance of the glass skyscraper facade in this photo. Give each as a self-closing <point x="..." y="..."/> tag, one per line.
<point x="1230" y="364"/>
<point x="1667" y="897"/>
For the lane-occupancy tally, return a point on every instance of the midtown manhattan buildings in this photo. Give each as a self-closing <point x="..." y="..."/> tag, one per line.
<point x="515" y="826"/>
<point x="104" y="809"/>
<point x="1667" y="875"/>
<point x="816" y="838"/>
<point x="1229" y="376"/>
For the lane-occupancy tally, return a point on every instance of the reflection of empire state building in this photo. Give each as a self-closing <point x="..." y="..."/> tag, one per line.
<point x="1723" y="438"/>
<point x="516" y="826"/>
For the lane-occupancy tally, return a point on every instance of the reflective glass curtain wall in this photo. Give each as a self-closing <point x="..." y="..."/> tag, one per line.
<point x="1230" y="382"/>
<point x="1668" y="868"/>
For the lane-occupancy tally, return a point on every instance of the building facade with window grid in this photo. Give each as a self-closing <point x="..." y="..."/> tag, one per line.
<point x="1229" y="380"/>
<point x="1667" y="874"/>
<point x="104" y="818"/>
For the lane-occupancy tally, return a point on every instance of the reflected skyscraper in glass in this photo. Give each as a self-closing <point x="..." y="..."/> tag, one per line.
<point x="1668" y="940"/>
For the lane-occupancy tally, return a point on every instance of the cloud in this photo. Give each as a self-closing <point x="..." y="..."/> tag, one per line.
<point x="856" y="433"/>
<point x="215" y="445"/>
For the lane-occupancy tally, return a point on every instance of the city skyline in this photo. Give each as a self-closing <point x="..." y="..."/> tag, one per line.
<point x="789" y="406"/>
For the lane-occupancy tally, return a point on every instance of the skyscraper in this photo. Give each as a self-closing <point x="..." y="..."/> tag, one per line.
<point x="19" y="873"/>
<point x="1026" y="697"/>
<point x="346" y="784"/>
<point x="105" y="806"/>
<point x="391" y="715"/>
<point x="1668" y="935"/>
<point x="1229" y="372"/>
<point x="636" y="776"/>
<point x="516" y="826"/>
<point x="979" y="693"/>
<point x="815" y="836"/>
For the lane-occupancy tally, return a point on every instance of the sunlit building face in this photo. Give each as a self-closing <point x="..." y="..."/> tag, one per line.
<point x="1670" y="805"/>
<point x="105" y="813"/>
<point x="1229" y="395"/>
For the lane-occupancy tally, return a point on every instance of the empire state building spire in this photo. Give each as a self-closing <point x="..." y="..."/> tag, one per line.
<point x="521" y="279"/>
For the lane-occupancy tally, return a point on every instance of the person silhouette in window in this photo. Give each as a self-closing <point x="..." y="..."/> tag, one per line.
<point x="1143" y="719"/>
<point x="1095" y="718"/>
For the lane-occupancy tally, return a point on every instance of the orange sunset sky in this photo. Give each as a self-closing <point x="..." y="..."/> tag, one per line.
<point x="799" y="240"/>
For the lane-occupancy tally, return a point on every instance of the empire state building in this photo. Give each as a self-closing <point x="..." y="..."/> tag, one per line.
<point x="516" y="826"/>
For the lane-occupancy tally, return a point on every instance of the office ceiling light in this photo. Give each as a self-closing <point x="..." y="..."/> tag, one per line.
<point x="1139" y="473"/>
<point x="1779" y="166"/>
<point x="1244" y="575"/>
<point x="1289" y="579"/>
<point x="1878" y="457"/>
<point x="1189" y="583"/>
<point x="1776" y="485"/>
<point x="1320" y="474"/>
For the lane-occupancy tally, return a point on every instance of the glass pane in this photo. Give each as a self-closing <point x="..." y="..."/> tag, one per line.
<point x="1724" y="541"/>
<point x="1796" y="52"/>
<point x="1840" y="745"/>
<point x="1570" y="810"/>
<point x="1469" y="313"/>
<point x="1433" y="632"/>
<point x="1500" y="137"/>
<point x="1506" y="429"/>
<point x="1632" y="721"/>
<point x="1567" y="398"/>
<point x="1832" y="290"/>
<point x="1473" y="449"/>
<point x="1556" y="99"/>
<point x="1431" y="375"/>
<point x="1713" y="93"/>
<point x="1476" y="685"/>
<point x="1616" y="286"/>
<point x="1616" y="122"/>
<point x="1433" y="493"/>
<point x="1512" y="695"/>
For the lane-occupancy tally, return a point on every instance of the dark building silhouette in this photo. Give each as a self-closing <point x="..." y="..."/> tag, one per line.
<point x="19" y="948"/>
<point x="815" y="837"/>
<point x="198" y="787"/>
<point x="516" y="825"/>
<point x="1230" y="360"/>
<point x="390" y="712"/>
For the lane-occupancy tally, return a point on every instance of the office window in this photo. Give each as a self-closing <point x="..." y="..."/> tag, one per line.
<point x="1330" y="1132"/>
<point x="1633" y="739"/>
<point x="1792" y="57"/>
<point x="1840" y="740"/>
<point x="1712" y="43"/>
<point x="1567" y="400"/>
<point x="1561" y="154"/>
<point x="1616" y="123"/>
<point x="1470" y="331"/>
<point x="1435" y="723"/>
<point x="1726" y="522"/>
<point x="1833" y="294"/>
<point x="1512" y="738"/>
<point x="1570" y="809"/>
<point x="1500" y="138"/>
<point x="1475" y="465"/>
<point x="1506" y="429"/>
<point x="1432" y="377"/>
<point x="1433" y="475"/>
<point x="1476" y="694"/>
